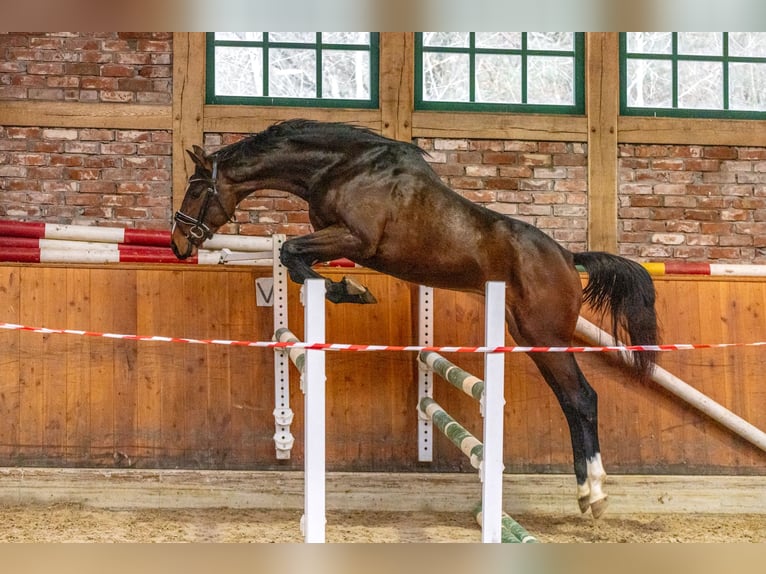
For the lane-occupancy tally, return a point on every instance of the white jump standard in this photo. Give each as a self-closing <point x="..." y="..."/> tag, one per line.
<point x="486" y="456"/>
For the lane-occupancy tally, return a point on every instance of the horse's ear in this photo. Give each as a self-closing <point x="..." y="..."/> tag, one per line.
<point x="199" y="157"/>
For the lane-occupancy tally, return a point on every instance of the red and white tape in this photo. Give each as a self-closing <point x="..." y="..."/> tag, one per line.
<point x="363" y="348"/>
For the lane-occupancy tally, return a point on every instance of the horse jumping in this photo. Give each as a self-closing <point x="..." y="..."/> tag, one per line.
<point x="377" y="202"/>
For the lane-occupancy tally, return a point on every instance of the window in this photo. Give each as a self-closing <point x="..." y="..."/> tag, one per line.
<point x="694" y="74"/>
<point x="500" y="71"/>
<point x="329" y="69"/>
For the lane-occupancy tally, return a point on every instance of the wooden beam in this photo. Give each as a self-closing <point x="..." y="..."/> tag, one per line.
<point x="397" y="57"/>
<point x="602" y="110"/>
<point x="251" y="119"/>
<point x="188" y="104"/>
<point x="691" y="131"/>
<point x="372" y="491"/>
<point x="86" y="115"/>
<point x="499" y="126"/>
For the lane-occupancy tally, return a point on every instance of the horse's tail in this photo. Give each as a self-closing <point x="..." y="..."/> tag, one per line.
<point x="624" y="288"/>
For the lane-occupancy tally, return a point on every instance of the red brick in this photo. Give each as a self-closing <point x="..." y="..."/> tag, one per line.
<point x="48" y="69"/>
<point x="500" y="158"/>
<point x="117" y="70"/>
<point x="719" y="152"/>
<point x="103" y="187"/>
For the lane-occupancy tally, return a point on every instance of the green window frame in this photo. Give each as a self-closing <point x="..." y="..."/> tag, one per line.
<point x="673" y="64"/>
<point x="262" y="51"/>
<point x="524" y="54"/>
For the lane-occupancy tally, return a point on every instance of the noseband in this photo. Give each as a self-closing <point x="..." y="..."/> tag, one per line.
<point x="198" y="230"/>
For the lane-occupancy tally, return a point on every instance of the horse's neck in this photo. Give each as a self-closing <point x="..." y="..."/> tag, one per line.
<point x="289" y="178"/>
<point x="292" y="173"/>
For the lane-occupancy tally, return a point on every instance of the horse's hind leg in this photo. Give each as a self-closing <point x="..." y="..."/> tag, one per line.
<point x="579" y="403"/>
<point x="300" y="253"/>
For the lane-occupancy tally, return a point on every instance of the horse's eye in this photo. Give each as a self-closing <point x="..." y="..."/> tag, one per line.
<point x="196" y="191"/>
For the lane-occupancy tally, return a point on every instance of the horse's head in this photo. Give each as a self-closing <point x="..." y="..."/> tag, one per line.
<point x="205" y="207"/>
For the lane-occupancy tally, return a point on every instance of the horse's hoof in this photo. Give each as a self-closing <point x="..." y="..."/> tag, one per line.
<point x="598" y="507"/>
<point x="584" y="503"/>
<point x="359" y="292"/>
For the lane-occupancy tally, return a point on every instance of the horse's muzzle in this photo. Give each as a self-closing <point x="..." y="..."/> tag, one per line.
<point x="182" y="254"/>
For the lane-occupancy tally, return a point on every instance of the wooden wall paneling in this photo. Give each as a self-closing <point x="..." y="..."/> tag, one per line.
<point x="372" y="396"/>
<point x="113" y="369"/>
<point x="10" y="376"/>
<point x="188" y="105"/>
<point x="397" y="75"/>
<point x="212" y="320"/>
<point x="740" y="303"/>
<point x="715" y="328"/>
<point x="158" y="364"/>
<point x="31" y="372"/>
<point x="77" y="406"/>
<point x="681" y="305"/>
<point x="190" y="383"/>
<point x="602" y="110"/>
<point x="251" y="373"/>
<point x="55" y="364"/>
<point x="675" y="418"/>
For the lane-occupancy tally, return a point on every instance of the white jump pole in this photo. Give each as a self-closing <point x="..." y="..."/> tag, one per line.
<point x="313" y="521"/>
<point x="594" y="335"/>
<point x="493" y="408"/>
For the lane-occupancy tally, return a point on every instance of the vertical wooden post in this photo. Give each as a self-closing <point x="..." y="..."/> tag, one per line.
<point x="396" y="84"/>
<point x="188" y="104"/>
<point x="603" y="109"/>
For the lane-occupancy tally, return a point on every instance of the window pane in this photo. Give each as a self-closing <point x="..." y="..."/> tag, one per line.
<point x="650" y="42"/>
<point x="700" y="43"/>
<point x="445" y="77"/>
<point x="752" y="44"/>
<point x="292" y="73"/>
<point x="650" y="83"/>
<point x="293" y="37"/>
<point x="498" y="78"/>
<point x="345" y="74"/>
<point x="499" y="40"/>
<point x="446" y="39"/>
<point x="747" y="87"/>
<point x="346" y="38"/>
<point x="550" y="80"/>
<point x="550" y="41"/>
<point x="700" y="85"/>
<point x="238" y="71"/>
<point x="240" y="36"/>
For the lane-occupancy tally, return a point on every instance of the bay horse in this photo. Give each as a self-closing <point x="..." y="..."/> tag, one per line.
<point x="377" y="202"/>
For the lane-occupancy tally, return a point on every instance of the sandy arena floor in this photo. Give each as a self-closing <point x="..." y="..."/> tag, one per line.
<point x="75" y="523"/>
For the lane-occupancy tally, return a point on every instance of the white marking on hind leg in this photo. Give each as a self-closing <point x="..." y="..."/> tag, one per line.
<point x="596" y="478"/>
<point x="583" y="496"/>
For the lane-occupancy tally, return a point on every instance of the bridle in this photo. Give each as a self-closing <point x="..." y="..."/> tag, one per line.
<point x="198" y="230"/>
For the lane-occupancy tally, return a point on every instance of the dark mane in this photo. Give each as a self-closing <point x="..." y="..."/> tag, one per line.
<point x="308" y="132"/>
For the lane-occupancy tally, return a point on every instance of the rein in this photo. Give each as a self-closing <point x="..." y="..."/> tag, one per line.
<point x="198" y="229"/>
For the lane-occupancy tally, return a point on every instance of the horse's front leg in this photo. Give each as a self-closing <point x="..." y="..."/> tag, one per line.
<point x="300" y="253"/>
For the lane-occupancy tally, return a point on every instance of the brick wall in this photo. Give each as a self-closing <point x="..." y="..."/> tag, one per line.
<point x="542" y="183"/>
<point x="122" y="67"/>
<point x="86" y="176"/>
<point x="693" y="203"/>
